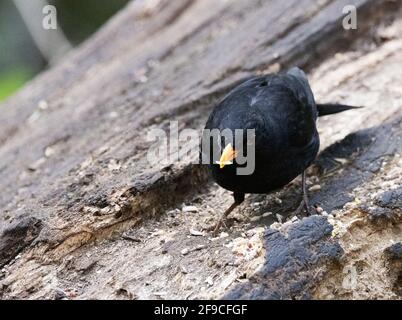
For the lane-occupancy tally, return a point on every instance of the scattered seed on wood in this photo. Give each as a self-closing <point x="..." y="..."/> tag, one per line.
<point x="319" y="209"/>
<point x="224" y="235"/>
<point x="187" y="209"/>
<point x="255" y="204"/>
<point x="209" y="281"/>
<point x="114" y="165"/>
<point x="35" y="166"/>
<point x="199" y="247"/>
<point x="255" y="218"/>
<point x="294" y="219"/>
<point x="173" y="213"/>
<point x="341" y="160"/>
<point x="316" y="187"/>
<point x="43" y="105"/>
<point x="279" y="217"/>
<point x="49" y="151"/>
<point x="196" y="233"/>
<point x="266" y="214"/>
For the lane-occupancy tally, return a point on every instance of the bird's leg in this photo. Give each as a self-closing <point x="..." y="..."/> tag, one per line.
<point x="223" y="217"/>
<point x="238" y="199"/>
<point x="304" y="203"/>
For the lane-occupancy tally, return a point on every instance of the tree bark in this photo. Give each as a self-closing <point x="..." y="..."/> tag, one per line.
<point x="84" y="214"/>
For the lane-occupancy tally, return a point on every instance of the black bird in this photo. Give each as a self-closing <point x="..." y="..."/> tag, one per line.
<point x="282" y="111"/>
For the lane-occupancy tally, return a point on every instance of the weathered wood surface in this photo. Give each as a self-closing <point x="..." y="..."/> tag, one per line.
<point x="84" y="214"/>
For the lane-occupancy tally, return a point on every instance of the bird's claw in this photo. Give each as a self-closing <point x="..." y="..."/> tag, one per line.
<point x="303" y="205"/>
<point x="215" y="228"/>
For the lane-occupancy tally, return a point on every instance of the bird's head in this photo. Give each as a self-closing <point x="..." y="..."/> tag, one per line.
<point x="238" y="153"/>
<point x="235" y="141"/>
<point x="227" y="156"/>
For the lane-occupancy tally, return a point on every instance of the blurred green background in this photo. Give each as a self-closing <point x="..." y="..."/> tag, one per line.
<point x="21" y="55"/>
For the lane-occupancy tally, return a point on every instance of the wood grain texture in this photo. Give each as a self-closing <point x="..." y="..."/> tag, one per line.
<point x="73" y="142"/>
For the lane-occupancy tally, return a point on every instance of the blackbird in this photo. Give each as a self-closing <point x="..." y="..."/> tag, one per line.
<point x="281" y="113"/>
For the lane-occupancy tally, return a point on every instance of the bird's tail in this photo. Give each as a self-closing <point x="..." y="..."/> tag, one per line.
<point x="330" y="108"/>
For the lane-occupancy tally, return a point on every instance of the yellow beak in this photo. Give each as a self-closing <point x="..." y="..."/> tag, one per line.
<point x="227" y="156"/>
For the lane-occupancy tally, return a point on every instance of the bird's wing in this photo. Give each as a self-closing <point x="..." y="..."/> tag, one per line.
<point x="235" y="104"/>
<point x="303" y="92"/>
<point x="289" y="102"/>
<point x="269" y="103"/>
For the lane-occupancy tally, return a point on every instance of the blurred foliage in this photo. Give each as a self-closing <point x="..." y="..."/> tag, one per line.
<point x="11" y="81"/>
<point x="79" y="19"/>
<point x="20" y="60"/>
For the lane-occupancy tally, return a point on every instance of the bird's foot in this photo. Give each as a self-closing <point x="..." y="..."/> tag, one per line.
<point x="216" y="227"/>
<point x="238" y="199"/>
<point x="303" y="205"/>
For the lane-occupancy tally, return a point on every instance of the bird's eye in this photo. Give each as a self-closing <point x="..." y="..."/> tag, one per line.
<point x="263" y="84"/>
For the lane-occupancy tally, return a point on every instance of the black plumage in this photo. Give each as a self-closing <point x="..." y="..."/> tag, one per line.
<point x="282" y="111"/>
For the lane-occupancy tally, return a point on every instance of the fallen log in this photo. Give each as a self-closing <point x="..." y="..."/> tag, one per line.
<point x="76" y="184"/>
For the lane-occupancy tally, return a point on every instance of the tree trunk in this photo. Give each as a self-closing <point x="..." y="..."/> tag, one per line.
<point x="85" y="215"/>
